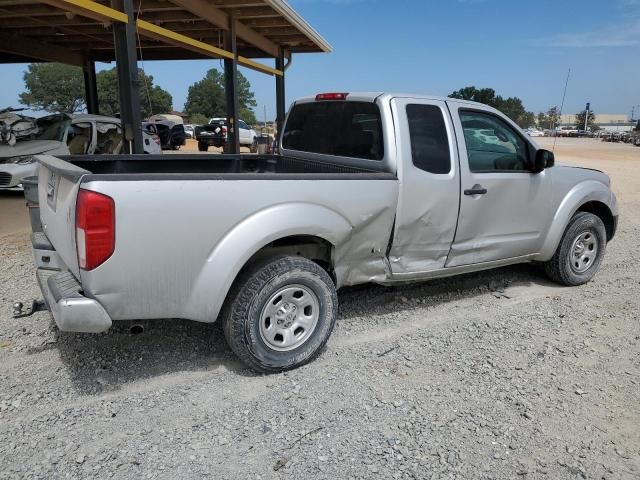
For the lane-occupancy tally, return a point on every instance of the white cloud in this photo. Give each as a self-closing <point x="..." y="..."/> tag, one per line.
<point x="622" y="35"/>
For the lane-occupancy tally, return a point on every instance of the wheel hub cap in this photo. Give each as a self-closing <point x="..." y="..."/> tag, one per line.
<point x="583" y="252"/>
<point x="289" y="318"/>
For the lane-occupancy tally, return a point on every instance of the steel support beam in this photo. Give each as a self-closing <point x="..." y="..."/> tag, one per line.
<point x="231" y="89"/>
<point x="90" y="87"/>
<point x="124" y="35"/>
<point x="280" y="91"/>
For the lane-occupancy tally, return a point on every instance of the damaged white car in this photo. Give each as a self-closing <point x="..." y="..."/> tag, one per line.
<point x="60" y="134"/>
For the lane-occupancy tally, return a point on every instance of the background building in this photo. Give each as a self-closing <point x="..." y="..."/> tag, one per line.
<point x="610" y="122"/>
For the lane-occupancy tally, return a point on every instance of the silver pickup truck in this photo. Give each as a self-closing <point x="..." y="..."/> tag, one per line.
<point x="368" y="187"/>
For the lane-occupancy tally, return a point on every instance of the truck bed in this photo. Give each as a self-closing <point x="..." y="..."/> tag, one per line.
<point x="184" y="166"/>
<point x="186" y="224"/>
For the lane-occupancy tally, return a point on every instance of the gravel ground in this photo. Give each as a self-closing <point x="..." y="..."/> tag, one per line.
<point x="497" y="375"/>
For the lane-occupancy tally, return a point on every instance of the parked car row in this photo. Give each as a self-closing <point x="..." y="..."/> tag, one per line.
<point x="622" y="137"/>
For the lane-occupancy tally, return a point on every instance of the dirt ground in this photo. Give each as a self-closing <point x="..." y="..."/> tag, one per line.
<point x="494" y="375"/>
<point x="14" y="216"/>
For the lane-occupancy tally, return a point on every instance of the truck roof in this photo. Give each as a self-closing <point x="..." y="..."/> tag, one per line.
<point x="88" y="117"/>
<point x="373" y="96"/>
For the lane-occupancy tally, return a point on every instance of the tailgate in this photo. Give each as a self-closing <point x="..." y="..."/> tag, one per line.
<point x="58" y="184"/>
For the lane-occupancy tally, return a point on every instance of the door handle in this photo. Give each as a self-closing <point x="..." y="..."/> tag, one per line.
<point x="475" y="190"/>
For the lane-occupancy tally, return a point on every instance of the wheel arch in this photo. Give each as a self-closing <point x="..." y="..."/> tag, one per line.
<point x="602" y="211"/>
<point x="311" y="230"/>
<point x="589" y="196"/>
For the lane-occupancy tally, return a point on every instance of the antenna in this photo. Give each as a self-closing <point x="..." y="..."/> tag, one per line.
<point x="564" y="94"/>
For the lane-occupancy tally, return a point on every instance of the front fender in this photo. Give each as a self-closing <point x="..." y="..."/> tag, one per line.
<point x="250" y="235"/>
<point x="584" y="192"/>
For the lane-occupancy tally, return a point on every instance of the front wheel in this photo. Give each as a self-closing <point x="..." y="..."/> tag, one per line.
<point x="280" y="313"/>
<point x="580" y="252"/>
<point x="253" y="148"/>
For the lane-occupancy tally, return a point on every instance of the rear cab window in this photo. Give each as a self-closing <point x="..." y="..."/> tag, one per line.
<point x="341" y="128"/>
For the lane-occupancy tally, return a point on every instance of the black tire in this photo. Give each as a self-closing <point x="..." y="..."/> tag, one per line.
<point x="243" y="312"/>
<point x="202" y="147"/>
<point x="253" y="148"/>
<point x="564" y="267"/>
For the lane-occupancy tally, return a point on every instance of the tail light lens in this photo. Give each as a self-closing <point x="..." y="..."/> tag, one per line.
<point x="95" y="228"/>
<point x="224" y="130"/>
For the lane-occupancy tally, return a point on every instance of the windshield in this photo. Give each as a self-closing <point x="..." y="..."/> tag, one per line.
<point x="52" y="127"/>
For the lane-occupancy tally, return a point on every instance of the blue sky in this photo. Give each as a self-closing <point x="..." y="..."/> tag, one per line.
<point x="519" y="48"/>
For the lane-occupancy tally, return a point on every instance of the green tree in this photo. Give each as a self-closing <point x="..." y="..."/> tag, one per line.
<point x="549" y="120"/>
<point x="511" y="107"/>
<point x="553" y="115"/>
<point x="480" y="95"/>
<point x="246" y="100"/>
<point x="207" y="97"/>
<point x="153" y="99"/>
<point x="198" y="119"/>
<point x="580" y="119"/>
<point x="542" y="120"/>
<point x="53" y="87"/>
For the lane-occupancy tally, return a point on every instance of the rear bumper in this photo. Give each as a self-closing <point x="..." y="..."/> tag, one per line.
<point x="71" y="310"/>
<point x="212" y="141"/>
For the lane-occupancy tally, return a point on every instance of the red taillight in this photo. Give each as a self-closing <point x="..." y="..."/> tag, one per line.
<point x="224" y="130"/>
<point x="332" y="96"/>
<point x="95" y="228"/>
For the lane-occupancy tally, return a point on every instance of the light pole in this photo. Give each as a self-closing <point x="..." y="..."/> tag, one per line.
<point x="586" y="116"/>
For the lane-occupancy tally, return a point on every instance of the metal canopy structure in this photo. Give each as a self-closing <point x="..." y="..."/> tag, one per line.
<point x="81" y="32"/>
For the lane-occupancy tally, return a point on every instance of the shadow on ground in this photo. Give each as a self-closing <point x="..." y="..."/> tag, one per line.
<point x="109" y="361"/>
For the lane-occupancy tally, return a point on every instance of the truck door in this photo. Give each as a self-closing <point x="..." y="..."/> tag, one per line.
<point x="504" y="207"/>
<point x="429" y="185"/>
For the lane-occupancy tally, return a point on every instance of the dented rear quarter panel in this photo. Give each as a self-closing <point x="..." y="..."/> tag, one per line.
<point x="180" y="244"/>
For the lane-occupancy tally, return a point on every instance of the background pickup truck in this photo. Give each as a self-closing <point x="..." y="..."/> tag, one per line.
<point x="368" y="188"/>
<point x="215" y="134"/>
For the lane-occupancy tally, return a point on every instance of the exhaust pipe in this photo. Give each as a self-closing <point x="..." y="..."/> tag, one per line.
<point x="136" y="330"/>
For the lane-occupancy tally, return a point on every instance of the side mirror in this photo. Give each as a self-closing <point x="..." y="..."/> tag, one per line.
<point x="543" y="159"/>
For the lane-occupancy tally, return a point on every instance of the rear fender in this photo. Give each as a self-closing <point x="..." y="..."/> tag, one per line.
<point x="582" y="193"/>
<point x="253" y="233"/>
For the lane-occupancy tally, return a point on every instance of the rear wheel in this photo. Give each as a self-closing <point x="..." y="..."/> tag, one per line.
<point x="202" y="147"/>
<point x="280" y="313"/>
<point x="580" y="252"/>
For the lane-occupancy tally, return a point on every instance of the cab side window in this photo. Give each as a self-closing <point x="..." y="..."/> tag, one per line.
<point x="242" y="125"/>
<point x="429" y="141"/>
<point x="492" y="145"/>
